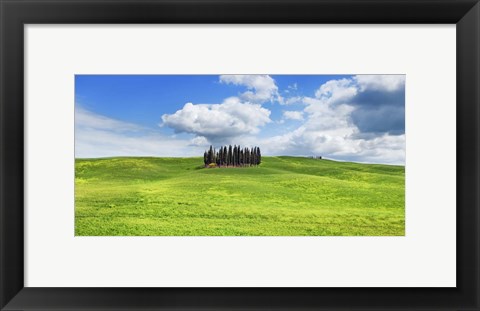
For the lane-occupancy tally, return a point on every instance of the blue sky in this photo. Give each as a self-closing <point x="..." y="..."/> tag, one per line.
<point x="355" y="118"/>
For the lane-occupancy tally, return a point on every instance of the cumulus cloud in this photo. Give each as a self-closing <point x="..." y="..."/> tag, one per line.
<point x="293" y="115"/>
<point x="291" y="100"/>
<point x="376" y="113"/>
<point x="356" y="119"/>
<point x="292" y="88"/>
<point x="387" y="83"/>
<point x="378" y="101"/>
<point x="337" y="91"/>
<point x="350" y="120"/>
<point x="217" y="122"/>
<point x="306" y="141"/>
<point x="199" y="141"/>
<point x="380" y="104"/>
<point x="260" y="88"/>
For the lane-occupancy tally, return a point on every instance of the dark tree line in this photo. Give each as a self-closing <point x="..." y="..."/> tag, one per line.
<point x="232" y="156"/>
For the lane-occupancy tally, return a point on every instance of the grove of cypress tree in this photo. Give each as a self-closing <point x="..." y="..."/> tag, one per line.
<point x="235" y="156"/>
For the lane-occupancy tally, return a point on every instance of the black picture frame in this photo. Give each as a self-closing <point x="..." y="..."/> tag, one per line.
<point x="16" y="13"/>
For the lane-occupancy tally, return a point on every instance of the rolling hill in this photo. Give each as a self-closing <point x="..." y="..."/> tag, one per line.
<point x="284" y="196"/>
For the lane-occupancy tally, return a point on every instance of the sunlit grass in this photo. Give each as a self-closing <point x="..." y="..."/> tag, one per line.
<point x="284" y="196"/>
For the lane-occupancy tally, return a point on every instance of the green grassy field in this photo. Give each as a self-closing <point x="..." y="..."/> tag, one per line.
<point x="284" y="196"/>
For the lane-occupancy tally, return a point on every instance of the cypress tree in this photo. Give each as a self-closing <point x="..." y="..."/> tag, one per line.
<point x="234" y="155"/>
<point x="259" y="156"/>
<point x="234" y="161"/>
<point x="224" y="156"/>
<point x="210" y="155"/>
<point x="238" y="156"/>
<point x="254" y="158"/>
<point x="219" y="158"/>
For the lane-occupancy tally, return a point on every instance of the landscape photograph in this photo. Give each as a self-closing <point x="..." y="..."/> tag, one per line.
<point x="240" y="155"/>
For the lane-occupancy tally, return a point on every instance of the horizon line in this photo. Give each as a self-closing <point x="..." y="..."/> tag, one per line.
<point x="263" y="156"/>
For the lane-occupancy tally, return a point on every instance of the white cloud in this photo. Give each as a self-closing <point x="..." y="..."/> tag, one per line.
<point x="95" y="143"/>
<point x="293" y="87"/>
<point x="218" y="121"/>
<point x="291" y="100"/>
<point x="387" y="83"/>
<point x="388" y="148"/>
<point x="337" y="91"/>
<point x="88" y="119"/>
<point x="304" y="141"/>
<point x="260" y="88"/>
<point x="100" y="136"/>
<point x="293" y="115"/>
<point x="199" y="141"/>
<point x="329" y="131"/>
